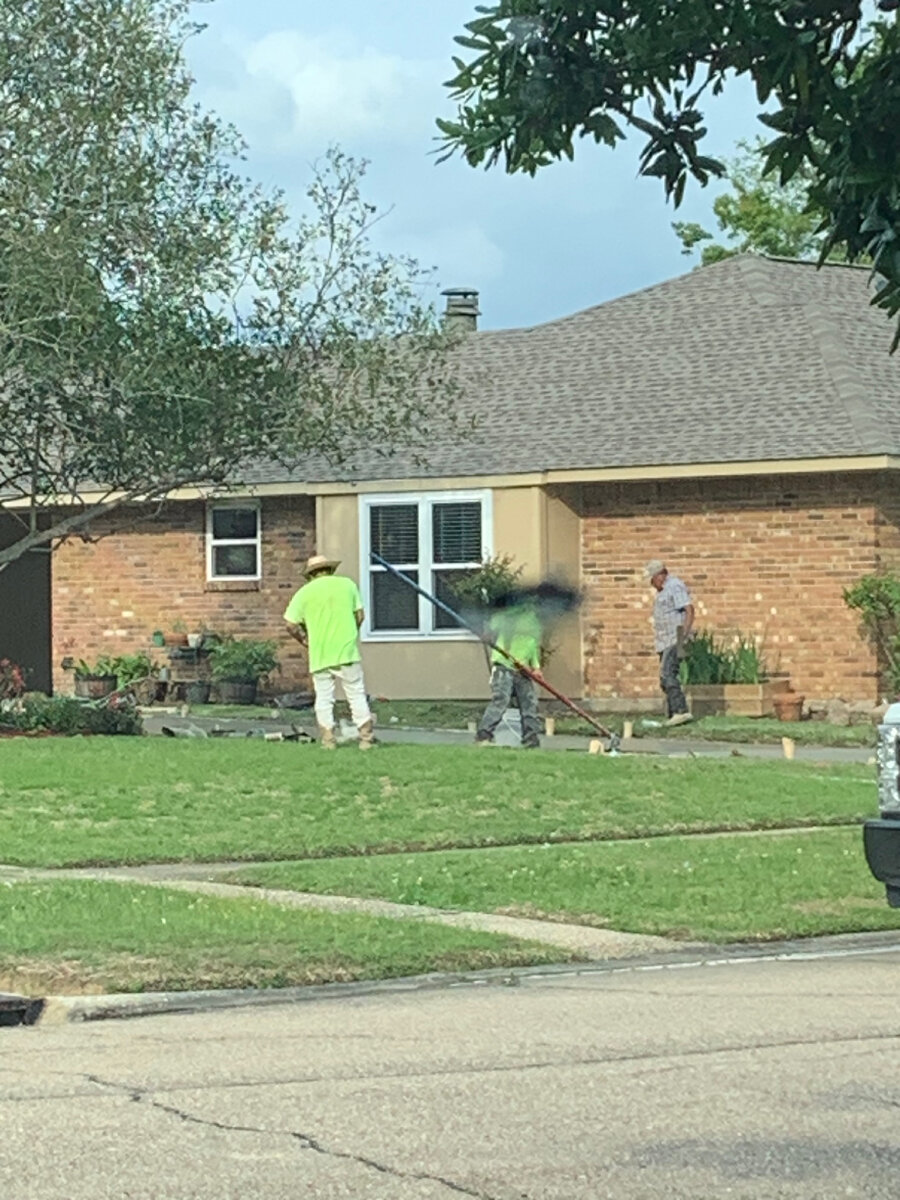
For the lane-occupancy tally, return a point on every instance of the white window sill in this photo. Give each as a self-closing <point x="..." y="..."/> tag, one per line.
<point x="415" y="635"/>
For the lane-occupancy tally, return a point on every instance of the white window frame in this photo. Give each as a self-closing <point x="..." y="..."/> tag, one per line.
<point x="426" y="565"/>
<point x="211" y="542"/>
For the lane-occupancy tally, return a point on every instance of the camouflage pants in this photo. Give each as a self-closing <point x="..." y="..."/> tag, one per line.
<point x="506" y="683"/>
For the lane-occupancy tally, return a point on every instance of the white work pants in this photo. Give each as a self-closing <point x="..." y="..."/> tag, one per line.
<point x="351" y="678"/>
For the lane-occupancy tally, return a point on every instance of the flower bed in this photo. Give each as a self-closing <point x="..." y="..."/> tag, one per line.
<point x="39" y="715"/>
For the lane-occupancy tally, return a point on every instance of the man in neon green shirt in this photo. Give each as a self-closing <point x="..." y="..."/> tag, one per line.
<point x="517" y="630"/>
<point x="325" y="615"/>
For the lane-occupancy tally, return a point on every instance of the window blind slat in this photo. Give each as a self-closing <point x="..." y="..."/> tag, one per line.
<point x="456" y="532"/>
<point x="394" y="532"/>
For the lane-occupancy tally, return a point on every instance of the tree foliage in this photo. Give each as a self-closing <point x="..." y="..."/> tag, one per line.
<point x="541" y="72"/>
<point x="164" y="321"/>
<point x="758" y="215"/>
<point x="877" y="600"/>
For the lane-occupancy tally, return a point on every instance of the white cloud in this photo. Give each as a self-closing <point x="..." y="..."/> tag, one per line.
<point x="462" y="255"/>
<point x="291" y="90"/>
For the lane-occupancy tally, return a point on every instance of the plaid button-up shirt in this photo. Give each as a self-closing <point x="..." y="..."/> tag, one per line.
<point x="668" y="612"/>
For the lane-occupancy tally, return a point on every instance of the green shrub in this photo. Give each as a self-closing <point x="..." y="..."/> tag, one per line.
<point x="127" y="668"/>
<point x="100" y="667"/>
<point x="877" y="599"/>
<point x="710" y="661"/>
<point x="67" y="715"/>
<point x="242" y="660"/>
<point x="479" y="588"/>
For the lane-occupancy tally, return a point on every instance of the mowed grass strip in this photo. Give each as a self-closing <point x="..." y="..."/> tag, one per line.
<point x="71" y="938"/>
<point x="131" y="800"/>
<point x="722" y="888"/>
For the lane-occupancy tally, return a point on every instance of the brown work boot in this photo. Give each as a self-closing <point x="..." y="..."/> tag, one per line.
<point x="327" y="739"/>
<point x="367" y="735"/>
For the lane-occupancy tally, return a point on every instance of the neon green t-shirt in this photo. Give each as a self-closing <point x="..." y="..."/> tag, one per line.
<point x="327" y="606"/>
<point x="517" y="630"/>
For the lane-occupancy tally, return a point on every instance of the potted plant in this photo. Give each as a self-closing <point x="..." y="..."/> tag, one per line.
<point x="132" y="668"/>
<point x="97" y="679"/>
<point x="788" y="706"/>
<point x="238" y="664"/>
<point x="728" y="676"/>
<point x="178" y="636"/>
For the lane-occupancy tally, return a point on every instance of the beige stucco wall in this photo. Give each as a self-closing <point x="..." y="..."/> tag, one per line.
<point x="541" y="534"/>
<point x="562" y="562"/>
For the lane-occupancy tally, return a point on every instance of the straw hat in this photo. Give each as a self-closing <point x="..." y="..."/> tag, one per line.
<point x="653" y="567"/>
<point x="318" y="563"/>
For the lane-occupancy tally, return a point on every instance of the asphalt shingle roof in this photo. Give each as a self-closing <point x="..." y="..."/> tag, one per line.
<point x="747" y="359"/>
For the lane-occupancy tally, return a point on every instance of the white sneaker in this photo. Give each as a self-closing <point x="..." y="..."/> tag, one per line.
<point x="680" y="719"/>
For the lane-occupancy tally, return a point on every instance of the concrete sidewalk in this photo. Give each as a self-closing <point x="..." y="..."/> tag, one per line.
<point x="394" y="734"/>
<point x="591" y="941"/>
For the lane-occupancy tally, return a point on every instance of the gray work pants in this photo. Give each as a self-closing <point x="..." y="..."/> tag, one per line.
<point x="505" y="682"/>
<point x="669" y="662"/>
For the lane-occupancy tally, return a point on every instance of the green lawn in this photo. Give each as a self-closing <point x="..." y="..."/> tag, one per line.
<point x="724" y="889"/>
<point x="107" y="800"/>
<point x="456" y="714"/>
<point x="80" y="937"/>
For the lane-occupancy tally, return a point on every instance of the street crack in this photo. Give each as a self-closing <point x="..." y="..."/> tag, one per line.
<point x="305" y="1140"/>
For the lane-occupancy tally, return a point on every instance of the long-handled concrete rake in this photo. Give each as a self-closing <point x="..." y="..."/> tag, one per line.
<point x="613" y="739"/>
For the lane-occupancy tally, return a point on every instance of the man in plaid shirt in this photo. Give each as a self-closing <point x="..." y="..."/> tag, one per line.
<point x="673" y="617"/>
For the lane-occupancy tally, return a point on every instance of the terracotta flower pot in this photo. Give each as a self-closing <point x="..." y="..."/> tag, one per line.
<point x="788" y="707"/>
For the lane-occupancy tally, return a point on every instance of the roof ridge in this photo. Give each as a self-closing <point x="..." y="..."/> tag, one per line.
<point x="672" y="281"/>
<point x="812" y="262"/>
<point x="844" y="377"/>
<point x="739" y="262"/>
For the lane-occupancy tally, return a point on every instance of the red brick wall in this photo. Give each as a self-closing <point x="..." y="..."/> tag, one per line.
<point x="887" y="521"/>
<point x="768" y="557"/>
<point x="110" y="595"/>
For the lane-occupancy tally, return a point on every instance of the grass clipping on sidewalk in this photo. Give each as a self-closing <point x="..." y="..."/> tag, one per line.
<point x="85" y="937"/>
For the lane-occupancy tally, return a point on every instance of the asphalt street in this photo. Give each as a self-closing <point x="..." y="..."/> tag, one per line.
<point x="758" y="1078"/>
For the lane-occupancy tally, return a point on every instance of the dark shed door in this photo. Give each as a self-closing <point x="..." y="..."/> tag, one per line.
<point x="25" y="610"/>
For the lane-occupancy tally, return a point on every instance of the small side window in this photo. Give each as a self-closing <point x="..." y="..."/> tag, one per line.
<point x="233" y="548"/>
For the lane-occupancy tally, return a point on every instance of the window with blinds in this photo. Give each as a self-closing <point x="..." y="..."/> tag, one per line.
<point x="433" y="540"/>
<point x="456" y="540"/>
<point x="394" y="534"/>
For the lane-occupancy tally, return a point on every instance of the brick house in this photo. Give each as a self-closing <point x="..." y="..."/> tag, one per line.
<point x="742" y="422"/>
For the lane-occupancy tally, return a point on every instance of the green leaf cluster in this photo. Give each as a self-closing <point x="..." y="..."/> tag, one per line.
<point x="758" y="215"/>
<point x="826" y="73"/>
<point x="479" y="589"/>
<point x="242" y="660"/>
<point x="127" y="668"/>
<point x="164" y="320"/>
<point x="877" y="600"/>
<point x="709" y="659"/>
<point x="66" y="715"/>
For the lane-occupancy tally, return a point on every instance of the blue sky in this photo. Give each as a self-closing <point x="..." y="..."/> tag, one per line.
<point x="299" y="75"/>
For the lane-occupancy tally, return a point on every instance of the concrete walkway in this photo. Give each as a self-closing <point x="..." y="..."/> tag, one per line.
<point x="394" y="734"/>
<point x="593" y="943"/>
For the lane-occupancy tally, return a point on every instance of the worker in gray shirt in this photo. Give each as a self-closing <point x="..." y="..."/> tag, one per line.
<point x="673" y="618"/>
